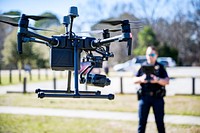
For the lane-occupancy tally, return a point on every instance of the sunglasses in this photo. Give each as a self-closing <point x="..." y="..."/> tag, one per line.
<point x="152" y="55"/>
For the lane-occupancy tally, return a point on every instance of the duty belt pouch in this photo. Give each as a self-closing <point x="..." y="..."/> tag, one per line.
<point x="139" y="93"/>
<point x="161" y="92"/>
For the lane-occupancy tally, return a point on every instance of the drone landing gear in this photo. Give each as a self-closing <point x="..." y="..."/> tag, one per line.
<point x="71" y="94"/>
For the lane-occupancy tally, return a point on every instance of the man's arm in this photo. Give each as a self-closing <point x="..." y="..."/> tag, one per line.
<point x="140" y="79"/>
<point x="161" y="81"/>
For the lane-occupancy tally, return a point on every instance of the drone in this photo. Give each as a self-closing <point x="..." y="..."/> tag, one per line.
<point x="65" y="51"/>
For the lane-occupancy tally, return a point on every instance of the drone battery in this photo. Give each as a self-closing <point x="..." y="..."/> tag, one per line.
<point x="62" y="59"/>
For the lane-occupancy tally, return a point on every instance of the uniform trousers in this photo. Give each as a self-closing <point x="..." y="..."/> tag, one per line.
<point x="145" y="103"/>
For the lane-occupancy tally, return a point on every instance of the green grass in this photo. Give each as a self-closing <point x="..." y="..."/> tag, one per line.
<point x="183" y="105"/>
<point x="9" y="123"/>
<point x="180" y="105"/>
<point x="46" y="124"/>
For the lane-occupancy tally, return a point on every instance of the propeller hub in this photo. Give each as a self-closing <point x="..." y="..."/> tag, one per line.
<point x="23" y="21"/>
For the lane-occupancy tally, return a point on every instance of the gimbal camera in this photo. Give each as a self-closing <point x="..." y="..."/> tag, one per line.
<point x="65" y="51"/>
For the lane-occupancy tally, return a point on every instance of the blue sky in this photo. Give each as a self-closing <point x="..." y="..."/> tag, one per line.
<point x="58" y="7"/>
<point x="89" y="11"/>
<point x="61" y="7"/>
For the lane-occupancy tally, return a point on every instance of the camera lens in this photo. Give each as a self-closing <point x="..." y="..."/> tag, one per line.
<point x="98" y="80"/>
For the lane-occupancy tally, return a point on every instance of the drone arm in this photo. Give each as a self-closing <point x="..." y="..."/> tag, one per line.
<point x="98" y="43"/>
<point x="104" y="42"/>
<point x="51" y="41"/>
<point x="30" y="39"/>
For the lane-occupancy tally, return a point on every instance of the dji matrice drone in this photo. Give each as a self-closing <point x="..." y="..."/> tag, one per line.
<point x="65" y="53"/>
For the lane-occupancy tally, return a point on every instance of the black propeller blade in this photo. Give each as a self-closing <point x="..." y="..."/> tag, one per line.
<point x="115" y="30"/>
<point x="16" y="25"/>
<point x="119" y="29"/>
<point x="99" y="31"/>
<point x="111" y="22"/>
<point x="92" y="32"/>
<point x="34" y="28"/>
<point x="34" y="17"/>
<point x="110" y="30"/>
<point x="10" y="23"/>
<point x="117" y="22"/>
<point x="39" y="17"/>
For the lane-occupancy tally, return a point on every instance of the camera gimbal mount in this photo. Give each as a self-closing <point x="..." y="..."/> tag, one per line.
<point x="65" y="53"/>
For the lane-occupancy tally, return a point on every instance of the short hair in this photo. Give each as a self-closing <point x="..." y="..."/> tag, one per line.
<point x="153" y="48"/>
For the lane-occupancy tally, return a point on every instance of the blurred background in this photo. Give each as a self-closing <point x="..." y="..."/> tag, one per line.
<point x="172" y="26"/>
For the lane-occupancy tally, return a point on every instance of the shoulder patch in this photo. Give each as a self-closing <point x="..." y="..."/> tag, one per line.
<point x="157" y="67"/>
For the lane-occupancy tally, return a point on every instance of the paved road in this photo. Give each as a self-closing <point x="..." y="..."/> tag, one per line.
<point x="91" y="114"/>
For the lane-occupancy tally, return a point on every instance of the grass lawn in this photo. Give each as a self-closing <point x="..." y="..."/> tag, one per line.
<point x="9" y="123"/>
<point x="45" y="124"/>
<point x="180" y="105"/>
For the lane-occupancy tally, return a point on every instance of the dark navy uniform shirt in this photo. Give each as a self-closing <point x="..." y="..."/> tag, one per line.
<point x="159" y="72"/>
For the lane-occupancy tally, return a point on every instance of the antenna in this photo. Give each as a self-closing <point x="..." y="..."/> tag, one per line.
<point x="66" y="22"/>
<point x="73" y="13"/>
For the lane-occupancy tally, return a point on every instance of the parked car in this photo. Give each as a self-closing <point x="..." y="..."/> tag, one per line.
<point x="134" y="64"/>
<point x="140" y="59"/>
<point x="131" y="65"/>
<point x="166" y="61"/>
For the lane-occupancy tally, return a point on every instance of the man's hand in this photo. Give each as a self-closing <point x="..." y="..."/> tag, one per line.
<point x="161" y="81"/>
<point x="142" y="78"/>
<point x="139" y="80"/>
<point x="154" y="79"/>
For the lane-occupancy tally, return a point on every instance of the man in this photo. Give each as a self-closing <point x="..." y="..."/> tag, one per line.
<point x="152" y="92"/>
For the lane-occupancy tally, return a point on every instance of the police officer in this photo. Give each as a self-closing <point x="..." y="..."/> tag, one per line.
<point x="152" y="92"/>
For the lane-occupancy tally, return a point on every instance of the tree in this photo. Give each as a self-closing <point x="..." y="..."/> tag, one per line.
<point x="15" y="13"/>
<point x="35" y="54"/>
<point x="45" y="23"/>
<point x="3" y="34"/>
<point x="146" y="37"/>
<point x="10" y="55"/>
<point x="41" y="54"/>
<point x="41" y="51"/>
<point x="5" y="30"/>
<point x="166" y="51"/>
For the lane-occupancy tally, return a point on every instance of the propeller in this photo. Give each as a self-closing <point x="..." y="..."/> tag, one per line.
<point x="16" y="25"/>
<point x="119" y="29"/>
<point x="10" y="23"/>
<point x="34" y="17"/>
<point x="110" y="30"/>
<point x="34" y="28"/>
<point x="99" y="31"/>
<point x="117" y="22"/>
